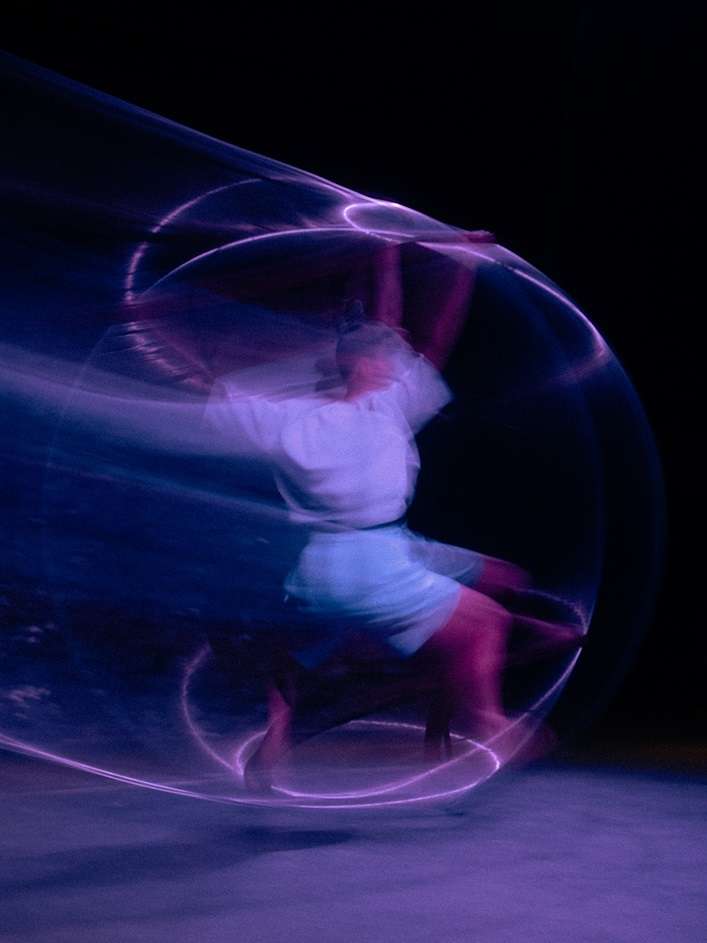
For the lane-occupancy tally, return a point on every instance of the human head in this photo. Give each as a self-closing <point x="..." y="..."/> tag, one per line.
<point x="366" y="350"/>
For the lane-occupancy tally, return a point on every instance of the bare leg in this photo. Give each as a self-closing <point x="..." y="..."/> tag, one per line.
<point x="276" y="743"/>
<point x="468" y="656"/>
<point x="501" y="580"/>
<point x="506" y="583"/>
<point x="470" y="650"/>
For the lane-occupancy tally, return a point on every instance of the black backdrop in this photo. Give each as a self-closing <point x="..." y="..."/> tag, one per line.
<point x="567" y="130"/>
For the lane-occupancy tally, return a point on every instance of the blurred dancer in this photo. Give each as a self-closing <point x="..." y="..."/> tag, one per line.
<point x="346" y="464"/>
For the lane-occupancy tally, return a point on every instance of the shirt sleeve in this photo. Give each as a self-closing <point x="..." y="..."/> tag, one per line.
<point x="419" y="391"/>
<point x="246" y="423"/>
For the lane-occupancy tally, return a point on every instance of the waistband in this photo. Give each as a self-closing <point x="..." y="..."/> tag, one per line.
<point x="334" y="527"/>
<point x="396" y="523"/>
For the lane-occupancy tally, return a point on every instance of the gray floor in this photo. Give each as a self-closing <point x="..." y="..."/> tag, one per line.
<point x="549" y="853"/>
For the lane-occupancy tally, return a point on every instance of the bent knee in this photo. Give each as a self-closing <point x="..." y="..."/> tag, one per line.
<point x="475" y="610"/>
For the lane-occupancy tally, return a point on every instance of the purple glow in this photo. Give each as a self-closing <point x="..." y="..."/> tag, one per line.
<point x="193" y="665"/>
<point x="187" y="434"/>
<point x="314" y="801"/>
<point x="246" y="746"/>
<point x="139" y="253"/>
<point x="600" y="355"/>
<point x="419" y="223"/>
<point x="238" y="243"/>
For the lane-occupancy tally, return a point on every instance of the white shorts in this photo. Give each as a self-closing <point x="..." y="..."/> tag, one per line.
<point x="386" y="584"/>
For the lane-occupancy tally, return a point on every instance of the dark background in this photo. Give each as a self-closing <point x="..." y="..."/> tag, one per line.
<point x="568" y="131"/>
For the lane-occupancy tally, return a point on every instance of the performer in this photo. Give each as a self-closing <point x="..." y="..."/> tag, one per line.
<point x="346" y="463"/>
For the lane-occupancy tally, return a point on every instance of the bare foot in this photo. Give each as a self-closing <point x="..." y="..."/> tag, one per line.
<point x="257" y="779"/>
<point x="438" y="749"/>
<point x="274" y="746"/>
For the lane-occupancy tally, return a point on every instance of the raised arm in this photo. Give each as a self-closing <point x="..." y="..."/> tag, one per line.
<point x="436" y="320"/>
<point x="443" y="324"/>
<point x="387" y="304"/>
<point x="247" y="425"/>
<point x="447" y="318"/>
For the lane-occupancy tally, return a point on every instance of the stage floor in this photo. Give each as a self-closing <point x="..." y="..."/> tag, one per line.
<point x="554" y="852"/>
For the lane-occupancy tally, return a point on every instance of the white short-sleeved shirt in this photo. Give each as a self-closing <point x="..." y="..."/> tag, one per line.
<point x="343" y="462"/>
